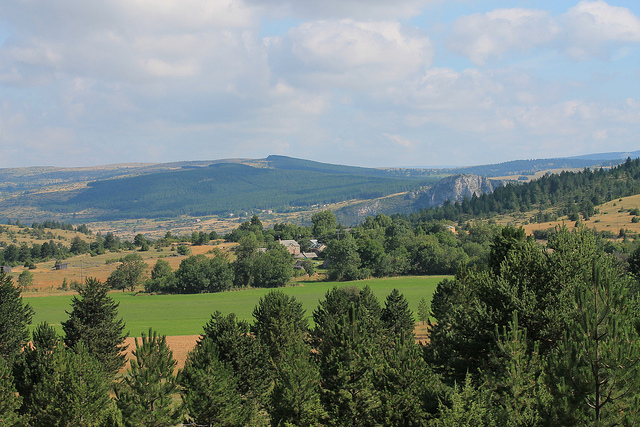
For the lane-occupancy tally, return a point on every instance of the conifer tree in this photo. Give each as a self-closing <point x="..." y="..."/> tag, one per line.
<point x="295" y="398"/>
<point x="423" y="311"/>
<point x="279" y="321"/>
<point x="336" y="305"/>
<point x="280" y="327"/>
<point x="594" y="373"/>
<point x="144" y="395"/>
<point x="93" y="321"/>
<point x="349" y="360"/>
<point x="9" y="400"/>
<point x="242" y="353"/>
<point x="518" y="384"/>
<point x="469" y="406"/>
<point x="36" y="364"/>
<point x="209" y="390"/>
<point x="409" y="391"/>
<point x="15" y="316"/>
<point x="396" y="316"/>
<point x="75" y="392"/>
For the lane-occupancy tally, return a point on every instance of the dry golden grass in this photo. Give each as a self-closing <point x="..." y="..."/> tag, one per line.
<point x="612" y="216"/>
<point x="47" y="280"/>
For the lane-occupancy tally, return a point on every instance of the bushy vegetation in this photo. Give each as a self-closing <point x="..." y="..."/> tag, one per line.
<point x="544" y="335"/>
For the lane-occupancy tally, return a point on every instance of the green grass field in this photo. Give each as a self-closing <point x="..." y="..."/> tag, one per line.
<point x="186" y="314"/>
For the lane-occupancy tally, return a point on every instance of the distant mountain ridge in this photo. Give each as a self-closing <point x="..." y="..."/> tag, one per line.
<point x="530" y="167"/>
<point x="238" y="186"/>
<point x="618" y="155"/>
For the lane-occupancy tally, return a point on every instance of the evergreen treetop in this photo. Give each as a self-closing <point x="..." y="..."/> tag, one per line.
<point x="93" y="321"/>
<point x="15" y="316"/>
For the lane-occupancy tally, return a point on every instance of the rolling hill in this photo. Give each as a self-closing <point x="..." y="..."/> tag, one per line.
<point x="231" y="187"/>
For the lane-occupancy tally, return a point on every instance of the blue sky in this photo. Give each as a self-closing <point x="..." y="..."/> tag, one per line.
<point x="359" y="82"/>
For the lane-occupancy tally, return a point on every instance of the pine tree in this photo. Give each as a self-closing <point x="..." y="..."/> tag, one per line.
<point x="209" y="390"/>
<point x="469" y="406"/>
<point x="242" y="353"/>
<point x="144" y="395"/>
<point x="295" y="398"/>
<point x="280" y="327"/>
<point x="9" y="400"/>
<point x="279" y="321"/>
<point x="518" y="385"/>
<point x="336" y="305"/>
<point x="93" y="321"/>
<point x="36" y="364"/>
<point x="75" y="392"/>
<point x="408" y="389"/>
<point x="349" y="359"/>
<point x="594" y="373"/>
<point x="14" y="319"/>
<point x="396" y="316"/>
<point x="423" y="311"/>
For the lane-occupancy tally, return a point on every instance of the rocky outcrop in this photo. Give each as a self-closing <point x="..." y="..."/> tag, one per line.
<point x="455" y="188"/>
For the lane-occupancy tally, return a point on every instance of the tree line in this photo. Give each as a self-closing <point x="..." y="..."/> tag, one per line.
<point x="380" y="246"/>
<point x="568" y="193"/>
<point x="545" y="335"/>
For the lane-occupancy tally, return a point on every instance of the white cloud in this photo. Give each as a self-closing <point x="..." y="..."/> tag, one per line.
<point x="486" y="36"/>
<point x="350" y="81"/>
<point x="589" y="29"/>
<point x="129" y="40"/>
<point x="338" y="9"/>
<point x="400" y="141"/>
<point x="593" y="27"/>
<point x="350" y="53"/>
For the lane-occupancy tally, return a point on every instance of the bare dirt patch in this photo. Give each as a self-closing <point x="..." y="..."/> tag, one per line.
<point x="181" y="345"/>
<point x="421" y="333"/>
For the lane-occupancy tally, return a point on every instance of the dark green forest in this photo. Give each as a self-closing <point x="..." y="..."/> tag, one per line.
<point x="226" y="188"/>
<point x="567" y="193"/>
<point x="236" y="188"/>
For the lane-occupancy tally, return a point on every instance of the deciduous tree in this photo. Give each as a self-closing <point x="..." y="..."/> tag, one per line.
<point x="272" y="269"/>
<point x="129" y="274"/>
<point x="324" y="225"/>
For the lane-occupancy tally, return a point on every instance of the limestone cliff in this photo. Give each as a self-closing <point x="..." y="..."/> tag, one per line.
<point x="455" y="188"/>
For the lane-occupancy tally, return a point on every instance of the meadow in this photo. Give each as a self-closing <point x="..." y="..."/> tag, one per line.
<point x="174" y="315"/>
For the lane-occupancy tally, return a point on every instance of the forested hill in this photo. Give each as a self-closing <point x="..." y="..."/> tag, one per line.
<point x="223" y="189"/>
<point x="290" y="163"/>
<point x="568" y="193"/>
<point x="530" y="167"/>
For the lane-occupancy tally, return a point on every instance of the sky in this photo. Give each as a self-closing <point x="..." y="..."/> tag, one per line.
<point x="375" y="83"/>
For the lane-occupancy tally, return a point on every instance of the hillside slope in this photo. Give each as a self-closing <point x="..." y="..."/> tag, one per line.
<point x="223" y="189"/>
